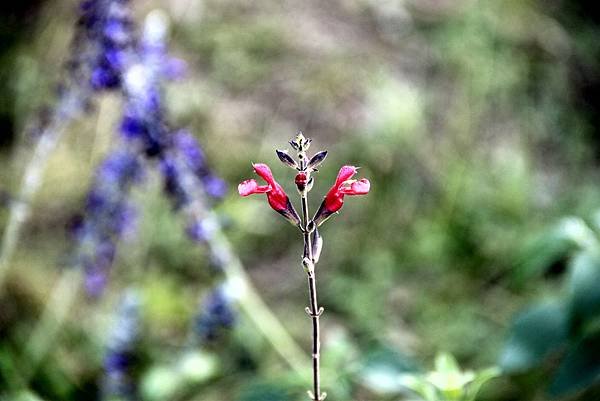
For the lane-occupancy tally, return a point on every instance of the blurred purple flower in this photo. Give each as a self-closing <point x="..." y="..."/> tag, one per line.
<point x="101" y="49"/>
<point x="186" y="147"/>
<point x="120" y="350"/>
<point x="109" y="217"/>
<point x="113" y="31"/>
<point x="216" y="315"/>
<point x="201" y="230"/>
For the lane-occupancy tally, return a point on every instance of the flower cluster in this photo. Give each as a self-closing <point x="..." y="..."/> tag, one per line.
<point x="109" y="216"/>
<point x="183" y="162"/>
<point x="120" y="350"/>
<point x="278" y="199"/>
<point x="144" y="117"/>
<point x="216" y="314"/>
<point x="110" y="22"/>
<point x="100" y="51"/>
<point x="146" y="138"/>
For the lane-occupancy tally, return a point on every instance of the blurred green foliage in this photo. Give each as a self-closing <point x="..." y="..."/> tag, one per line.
<point x="476" y="123"/>
<point x="566" y="328"/>
<point x="448" y="382"/>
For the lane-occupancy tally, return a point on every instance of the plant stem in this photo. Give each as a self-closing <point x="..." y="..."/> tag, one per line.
<point x="313" y="311"/>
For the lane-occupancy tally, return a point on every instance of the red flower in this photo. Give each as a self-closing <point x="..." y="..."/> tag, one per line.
<point x="278" y="200"/>
<point x="344" y="185"/>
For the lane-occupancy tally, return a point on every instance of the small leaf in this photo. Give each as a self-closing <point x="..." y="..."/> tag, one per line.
<point x="580" y="367"/>
<point x="317" y="159"/>
<point x="445" y="363"/>
<point x="534" y="335"/>
<point x="286" y="158"/>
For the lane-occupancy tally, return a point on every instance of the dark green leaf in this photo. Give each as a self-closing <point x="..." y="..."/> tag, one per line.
<point x="540" y="253"/>
<point x="383" y="368"/>
<point x="584" y="286"/>
<point x="534" y="335"/>
<point x="580" y="367"/>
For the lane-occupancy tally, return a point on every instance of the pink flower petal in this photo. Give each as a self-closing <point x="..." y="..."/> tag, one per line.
<point x="345" y="173"/>
<point x="250" y="187"/>
<point x="265" y="172"/>
<point x="360" y="187"/>
<point x="353" y="187"/>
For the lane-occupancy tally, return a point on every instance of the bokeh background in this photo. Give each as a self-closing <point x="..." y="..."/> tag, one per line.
<point x="477" y="125"/>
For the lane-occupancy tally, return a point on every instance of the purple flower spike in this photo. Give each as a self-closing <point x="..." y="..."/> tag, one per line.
<point x="111" y="27"/>
<point x="201" y="231"/>
<point x="95" y="282"/>
<point x="175" y="69"/>
<point x="215" y="316"/>
<point x="214" y="186"/>
<point x="119" y="360"/>
<point x="109" y="218"/>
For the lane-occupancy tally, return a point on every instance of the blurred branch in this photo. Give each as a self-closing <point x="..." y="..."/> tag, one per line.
<point x="20" y="208"/>
<point x="61" y="300"/>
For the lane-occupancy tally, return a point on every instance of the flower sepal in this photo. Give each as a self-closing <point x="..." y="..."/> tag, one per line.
<point x="286" y="159"/>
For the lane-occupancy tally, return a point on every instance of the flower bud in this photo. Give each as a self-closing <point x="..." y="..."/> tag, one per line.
<point x="317" y="246"/>
<point x="301" y="180"/>
<point x="300" y="143"/>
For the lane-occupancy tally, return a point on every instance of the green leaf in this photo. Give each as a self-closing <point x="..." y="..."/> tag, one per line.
<point x="446" y="363"/>
<point x="419" y="385"/>
<point x="584" y="286"/>
<point x="482" y="377"/>
<point x="579" y="369"/>
<point x="534" y="335"/>
<point x="383" y="368"/>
